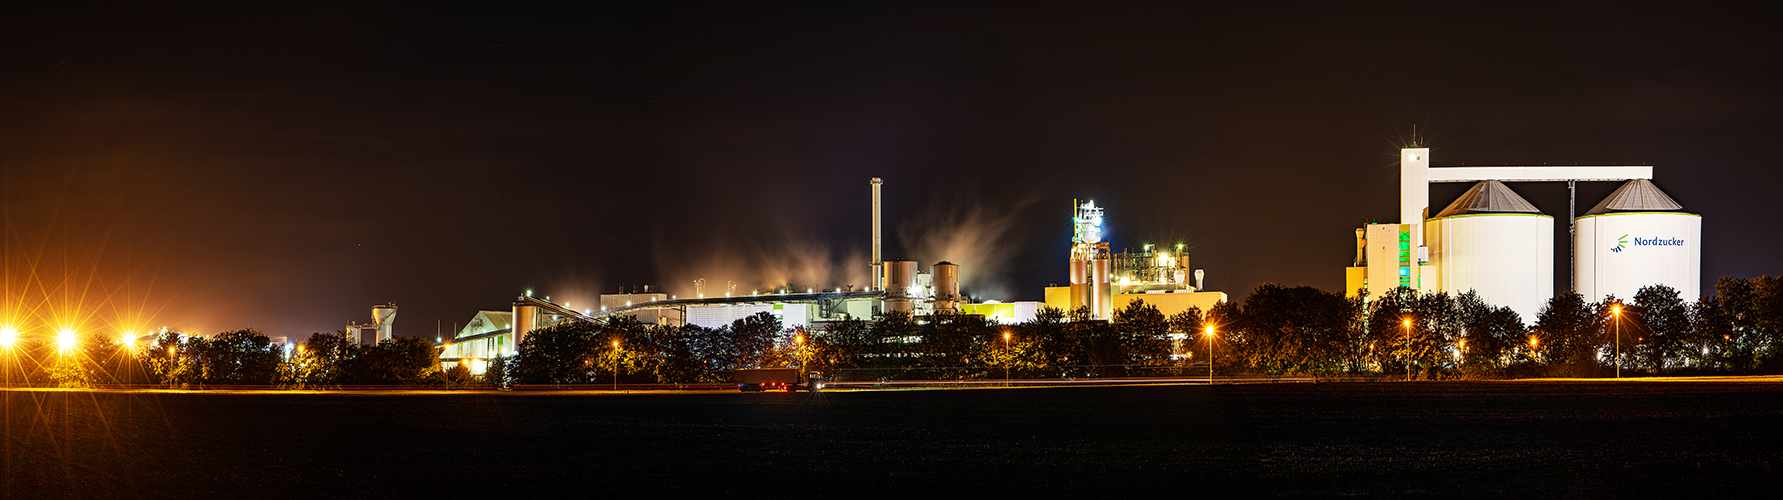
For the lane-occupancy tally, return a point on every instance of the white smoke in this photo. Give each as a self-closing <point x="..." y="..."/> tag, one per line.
<point x="975" y="235"/>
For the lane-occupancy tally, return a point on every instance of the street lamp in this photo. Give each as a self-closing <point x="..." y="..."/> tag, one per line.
<point x="1616" y="312"/>
<point x="7" y="337"/>
<point x="1209" y="356"/>
<point x="1006" y="359"/>
<point x="1408" y="349"/>
<point x="66" y="340"/>
<point x="615" y="365"/>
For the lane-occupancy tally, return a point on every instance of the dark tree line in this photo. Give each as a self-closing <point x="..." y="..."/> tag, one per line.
<point x="237" y="358"/>
<point x="897" y="346"/>
<point x="1278" y="330"/>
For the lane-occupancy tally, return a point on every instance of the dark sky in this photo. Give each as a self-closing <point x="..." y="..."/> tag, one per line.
<point x="285" y="166"/>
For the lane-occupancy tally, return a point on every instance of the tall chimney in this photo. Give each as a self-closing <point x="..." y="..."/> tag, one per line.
<point x="878" y="265"/>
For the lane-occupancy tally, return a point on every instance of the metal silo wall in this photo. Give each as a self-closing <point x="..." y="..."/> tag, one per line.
<point x="1613" y="261"/>
<point x="1508" y="259"/>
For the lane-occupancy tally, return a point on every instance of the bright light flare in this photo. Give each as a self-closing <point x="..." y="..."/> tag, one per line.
<point x="66" y="340"/>
<point x="8" y="336"/>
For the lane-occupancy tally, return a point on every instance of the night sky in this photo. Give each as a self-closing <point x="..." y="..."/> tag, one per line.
<point x="285" y="166"/>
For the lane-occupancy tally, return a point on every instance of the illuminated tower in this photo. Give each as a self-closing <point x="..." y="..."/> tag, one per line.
<point x="1090" y="262"/>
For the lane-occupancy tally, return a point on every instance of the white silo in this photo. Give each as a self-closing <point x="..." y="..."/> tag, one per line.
<point x="1635" y="238"/>
<point x="1496" y="244"/>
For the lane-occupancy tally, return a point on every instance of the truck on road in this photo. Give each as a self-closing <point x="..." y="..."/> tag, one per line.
<point x="777" y="379"/>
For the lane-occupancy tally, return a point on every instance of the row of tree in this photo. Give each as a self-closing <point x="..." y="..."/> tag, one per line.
<point x="238" y="358"/>
<point x="1276" y="331"/>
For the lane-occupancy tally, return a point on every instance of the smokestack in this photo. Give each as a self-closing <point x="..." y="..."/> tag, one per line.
<point x="878" y="266"/>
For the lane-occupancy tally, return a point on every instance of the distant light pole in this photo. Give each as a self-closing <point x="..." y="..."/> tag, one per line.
<point x="1006" y="359"/>
<point x="1408" y="349"/>
<point x="1616" y="312"/>
<point x="615" y="366"/>
<point x="798" y="351"/>
<point x="7" y="337"/>
<point x="1209" y="356"/>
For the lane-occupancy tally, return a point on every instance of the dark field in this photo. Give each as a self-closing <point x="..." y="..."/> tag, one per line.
<point x="1555" y="439"/>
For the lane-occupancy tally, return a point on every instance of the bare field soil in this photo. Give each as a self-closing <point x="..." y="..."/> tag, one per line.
<point x="1470" y="439"/>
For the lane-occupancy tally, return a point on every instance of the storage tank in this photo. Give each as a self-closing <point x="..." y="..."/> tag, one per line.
<point x="1495" y="243"/>
<point x="900" y="278"/>
<point x="526" y="318"/>
<point x="947" y="287"/>
<point x="1101" y="290"/>
<point x="383" y="317"/>
<point x="1080" y="284"/>
<point x="1635" y="238"/>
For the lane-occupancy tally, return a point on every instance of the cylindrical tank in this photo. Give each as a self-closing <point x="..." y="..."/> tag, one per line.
<point x="1496" y="244"/>
<point x="947" y="287"/>
<point x="526" y="318"/>
<point x="1620" y="253"/>
<point x="1637" y="237"/>
<point x="1101" y="291"/>
<point x="900" y="277"/>
<point x="1508" y="259"/>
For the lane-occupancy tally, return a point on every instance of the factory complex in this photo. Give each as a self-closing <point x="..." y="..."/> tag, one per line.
<point x="1495" y="243"/>
<point x="1489" y="241"/>
<point x="1100" y="281"/>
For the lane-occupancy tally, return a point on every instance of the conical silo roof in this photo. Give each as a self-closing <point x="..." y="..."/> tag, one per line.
<point x="1638" y="195"/>
<point x="1489" y="197"/>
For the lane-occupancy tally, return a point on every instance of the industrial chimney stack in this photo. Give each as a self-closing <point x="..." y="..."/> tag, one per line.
<point x="878" y="265"/>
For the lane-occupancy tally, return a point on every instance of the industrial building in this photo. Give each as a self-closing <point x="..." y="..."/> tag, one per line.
<point x="898" y="286"/>
<point x="1495" y="243"/>
<point x="1104" y="281"/>
<point x="1100" y="280"/>
<point x="382" y="326"/>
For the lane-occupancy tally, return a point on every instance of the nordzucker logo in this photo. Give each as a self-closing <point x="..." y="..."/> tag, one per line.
<point x="1622" y="243"/>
